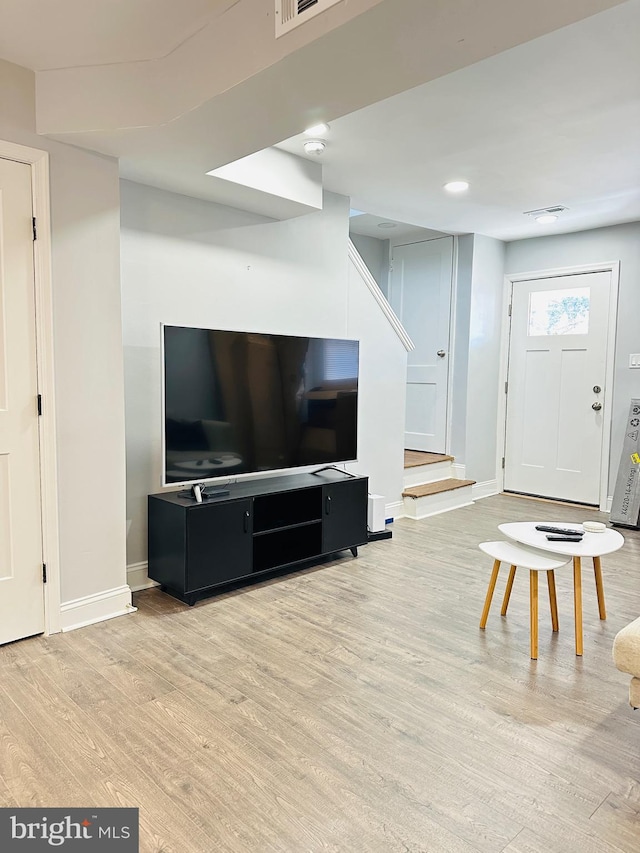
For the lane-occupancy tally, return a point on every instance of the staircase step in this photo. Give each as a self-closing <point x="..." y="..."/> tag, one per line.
<point x="413" y="458"/>
<point x="435" y="488"/>
<point x="433" y="498"/>
<point x="426" y="473"/>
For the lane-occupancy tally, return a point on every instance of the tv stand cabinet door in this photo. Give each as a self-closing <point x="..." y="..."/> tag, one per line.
<point x="219" y="543"/>
<point x="344" y="515"/>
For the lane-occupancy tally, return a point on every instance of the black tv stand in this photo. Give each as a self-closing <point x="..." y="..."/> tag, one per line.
<point x="256" y="530"/>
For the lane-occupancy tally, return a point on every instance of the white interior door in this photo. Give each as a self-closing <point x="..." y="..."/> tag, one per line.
<point x="420" y="294"/>
<point x="21" y="585"/>
<point x="556" y="386"/>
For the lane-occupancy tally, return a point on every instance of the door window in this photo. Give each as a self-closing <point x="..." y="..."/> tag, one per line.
<point x="559" y="312"/>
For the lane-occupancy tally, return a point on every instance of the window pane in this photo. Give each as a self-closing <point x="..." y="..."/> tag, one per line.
<point x="559" y="312"/>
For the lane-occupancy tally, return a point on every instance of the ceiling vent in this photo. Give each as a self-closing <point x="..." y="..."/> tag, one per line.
<point x="555" y="210"/>
<point x="292" y="13"/>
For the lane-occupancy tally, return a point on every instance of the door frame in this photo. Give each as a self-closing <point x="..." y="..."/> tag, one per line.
<point x="38" y="161"/>
<point x="612" y="267"/>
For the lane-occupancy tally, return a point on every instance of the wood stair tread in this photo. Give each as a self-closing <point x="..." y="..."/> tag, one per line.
<point x="435" y="488"/>
<point x="414" y="458"/>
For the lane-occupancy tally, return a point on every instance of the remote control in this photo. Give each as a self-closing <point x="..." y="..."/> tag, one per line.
<point x="563" y="531"/>
<point x="553" y="538"/>
<point x="197" y="493"/>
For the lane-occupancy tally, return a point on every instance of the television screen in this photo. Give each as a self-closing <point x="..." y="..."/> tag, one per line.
<point x="243" y="402"/>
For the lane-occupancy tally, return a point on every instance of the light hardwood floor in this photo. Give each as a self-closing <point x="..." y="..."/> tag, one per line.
<point x="353" y="707"/>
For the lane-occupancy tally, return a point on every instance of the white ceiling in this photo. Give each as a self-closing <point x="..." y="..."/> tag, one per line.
<point x="553" y="121"/>
<point x="368" y="225"/>
<point x="70" y="33"/>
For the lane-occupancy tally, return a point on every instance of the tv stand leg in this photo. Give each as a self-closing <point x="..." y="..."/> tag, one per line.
<point x="191" y="599"/>
<point x="354" y="551"/>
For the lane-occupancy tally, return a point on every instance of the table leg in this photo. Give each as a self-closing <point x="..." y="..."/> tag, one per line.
<point x="577" y="602"/>
<point x="553" y="601"/>
<point x="597" y="570"/>
<point x="487" y="601"/>
<point x="533" y="582"/>
<point x="507" y="592"/>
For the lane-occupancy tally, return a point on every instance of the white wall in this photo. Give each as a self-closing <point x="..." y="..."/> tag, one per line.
<point x="187" y="261"/>
<point x="375" y="254"/>
<point x="616" y="243"/>
<point x="460" y="346"/>
<point x="88" y="350"/>
<point x="382" y="386"/>
<point x="487" y="284"/>
<point x="476" y="349"/>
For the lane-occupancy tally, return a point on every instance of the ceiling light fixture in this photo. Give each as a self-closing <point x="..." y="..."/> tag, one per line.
<point x="317" y="130"/>
<point x="314" y="146"/>
<point x="387" y="224"/>
<point x="546" y="218"/>
<point x="456" y="186"/>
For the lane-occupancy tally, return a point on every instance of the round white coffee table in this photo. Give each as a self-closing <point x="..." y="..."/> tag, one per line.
<point x="593" y="545"/>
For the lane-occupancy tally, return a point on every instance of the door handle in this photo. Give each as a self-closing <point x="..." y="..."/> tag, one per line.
<point x="441" y="353"/>
<point x="596" y="406"/>
<point x="327" y="505"/>
<point x="247" y="516"/>
<point x="597" y="389"/>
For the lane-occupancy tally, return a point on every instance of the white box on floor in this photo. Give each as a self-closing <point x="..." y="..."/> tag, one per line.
<point x="375" y="513"/>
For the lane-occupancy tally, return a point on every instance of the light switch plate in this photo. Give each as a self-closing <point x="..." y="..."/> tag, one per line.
<point x="634" y="359"/>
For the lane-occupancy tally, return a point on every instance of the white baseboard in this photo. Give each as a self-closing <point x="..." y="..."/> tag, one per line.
<point x="96" y="608"/>
<point x="137" y="577"/>
<point x="394" y="510"/>
<point x="484" y="490"/>
<point x="458" y="470"/>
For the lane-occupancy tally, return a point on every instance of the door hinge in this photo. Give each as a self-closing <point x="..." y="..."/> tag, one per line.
<point x="44" y="573"/>
<point x="509" y="309"/>
<point x="35" y="230"/>
<point x="503" y="462"/>
<point x="39" y="404"/>
<point x="506" y="387"/>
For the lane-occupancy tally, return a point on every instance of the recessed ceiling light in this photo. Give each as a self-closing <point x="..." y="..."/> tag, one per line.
<point x="387" y="224"/>
<point x="456" y="186"/>
<point x="546" y="218"/>
<point x="314" y="146"/>
<point x="317" y="130"/>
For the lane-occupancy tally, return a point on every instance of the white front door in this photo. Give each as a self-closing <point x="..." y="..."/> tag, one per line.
<point x="556" y="386"/>
<point x="420" y="294"/>
<point x="21" y="583"/>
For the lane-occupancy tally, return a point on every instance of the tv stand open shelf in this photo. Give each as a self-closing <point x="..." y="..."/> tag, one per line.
<point x="259" y="527"/>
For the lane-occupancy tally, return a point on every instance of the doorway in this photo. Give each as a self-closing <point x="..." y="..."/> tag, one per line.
<point x="420" y="286"/>
<point x="21" y="579"/>
<point x="29" y="578"/>
<point x="559" y="384"/>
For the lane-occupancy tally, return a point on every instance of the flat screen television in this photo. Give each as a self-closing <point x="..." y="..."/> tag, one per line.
<point x="245" y="403"/>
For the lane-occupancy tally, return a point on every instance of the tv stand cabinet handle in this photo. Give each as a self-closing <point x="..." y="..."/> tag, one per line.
<point x="247" y="516"/>
<point x="327" y="505"/>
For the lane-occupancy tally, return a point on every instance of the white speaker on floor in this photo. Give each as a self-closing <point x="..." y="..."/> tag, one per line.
<point x="375" y="513"/>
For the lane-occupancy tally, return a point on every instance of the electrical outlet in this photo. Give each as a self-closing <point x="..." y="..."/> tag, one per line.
<point x="634" y="359"/>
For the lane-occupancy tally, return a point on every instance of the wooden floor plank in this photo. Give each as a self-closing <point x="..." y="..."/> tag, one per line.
<point x="354" y="706"/>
